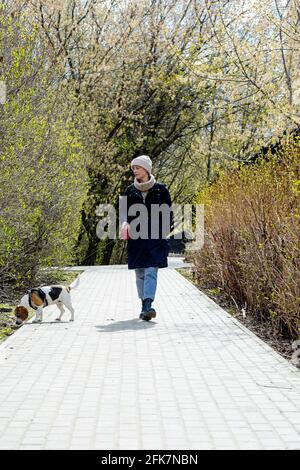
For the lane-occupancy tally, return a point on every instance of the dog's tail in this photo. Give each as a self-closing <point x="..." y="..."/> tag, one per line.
<point x="74" y="284"/>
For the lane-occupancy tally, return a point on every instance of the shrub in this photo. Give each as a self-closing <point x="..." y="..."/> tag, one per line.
<point x="251" y="248"/>
<point x="42" y="167"/>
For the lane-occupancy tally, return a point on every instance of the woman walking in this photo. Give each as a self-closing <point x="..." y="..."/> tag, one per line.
<point x="148" y="249"/>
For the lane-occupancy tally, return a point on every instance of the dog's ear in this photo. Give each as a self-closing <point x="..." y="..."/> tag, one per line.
<point x="21" y="312"/>
<point x="36" y="299"/>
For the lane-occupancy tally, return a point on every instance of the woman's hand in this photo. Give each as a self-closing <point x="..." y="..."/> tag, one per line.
<point x="124" y="235"/>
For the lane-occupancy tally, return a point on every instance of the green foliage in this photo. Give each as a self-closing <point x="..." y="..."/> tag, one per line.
<point x="42" y="162"/>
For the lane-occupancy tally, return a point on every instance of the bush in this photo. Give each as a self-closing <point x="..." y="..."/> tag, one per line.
<point x="251" y="248"/>
<point x="42" y="169"/>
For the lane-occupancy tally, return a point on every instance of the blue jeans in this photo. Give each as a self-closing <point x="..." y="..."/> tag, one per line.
<point x="146" y="281"/>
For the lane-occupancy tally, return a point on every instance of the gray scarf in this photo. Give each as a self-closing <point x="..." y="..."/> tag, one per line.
<point x="146" y="185"/>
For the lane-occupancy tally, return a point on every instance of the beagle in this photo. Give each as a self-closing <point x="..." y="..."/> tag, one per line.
<point x="40" y="297"/>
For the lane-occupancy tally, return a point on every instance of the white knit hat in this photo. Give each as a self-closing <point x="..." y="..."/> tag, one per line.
<point x="144" y="161"/>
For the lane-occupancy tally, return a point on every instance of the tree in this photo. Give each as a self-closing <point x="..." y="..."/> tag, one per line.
<point x="42" y="166"/>
<point x="134" y="95"/>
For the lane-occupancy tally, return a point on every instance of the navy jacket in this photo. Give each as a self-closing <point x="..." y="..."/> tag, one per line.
<point x="151" y="248"/>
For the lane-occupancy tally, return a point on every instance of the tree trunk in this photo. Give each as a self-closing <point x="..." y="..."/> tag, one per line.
<point x="91" y="252"/>
<point x="107" y="252"/>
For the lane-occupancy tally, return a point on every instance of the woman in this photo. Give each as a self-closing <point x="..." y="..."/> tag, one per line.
<point x="147" y="249"/>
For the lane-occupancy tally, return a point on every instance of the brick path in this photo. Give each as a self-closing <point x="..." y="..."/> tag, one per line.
<point x="194" y="378"/>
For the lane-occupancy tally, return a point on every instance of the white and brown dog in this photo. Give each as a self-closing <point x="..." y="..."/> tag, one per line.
<point x="40" y="297"/>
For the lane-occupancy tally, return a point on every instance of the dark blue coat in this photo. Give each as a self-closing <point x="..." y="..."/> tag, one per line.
<point x="149" y="252"/>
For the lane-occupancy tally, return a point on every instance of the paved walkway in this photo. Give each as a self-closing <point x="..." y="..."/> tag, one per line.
<point x="194" y="378"/>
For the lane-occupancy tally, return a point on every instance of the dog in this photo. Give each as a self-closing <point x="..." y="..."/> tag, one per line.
<point x="38" y="298"/>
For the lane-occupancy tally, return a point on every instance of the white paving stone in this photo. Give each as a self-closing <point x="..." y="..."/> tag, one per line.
<point x="194" y="378"/>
